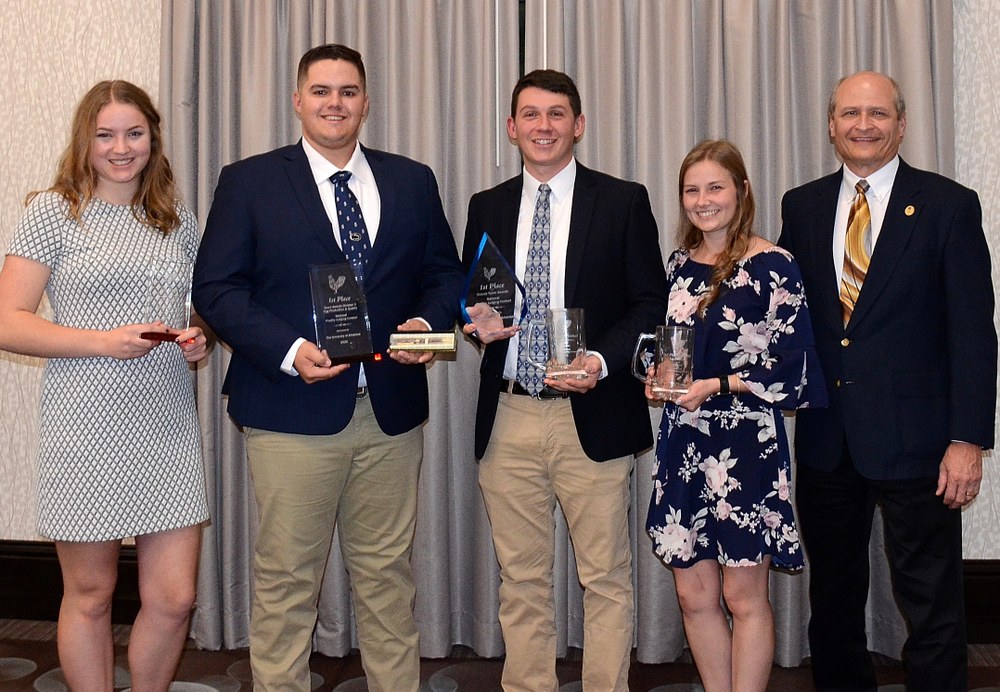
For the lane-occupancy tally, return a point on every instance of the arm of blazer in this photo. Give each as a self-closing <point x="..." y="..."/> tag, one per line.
<point x="972" y="339"/>
<point x="615" y="272"/>
<point x="242" y="286"/>
<point x="418" y="200"/>
<point x="614" y="267"/>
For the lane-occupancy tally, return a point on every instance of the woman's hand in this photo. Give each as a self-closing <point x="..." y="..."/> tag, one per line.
<point x="193" y="343"/>
<point x="698" y="393"/>
<point x="126" y="342"/>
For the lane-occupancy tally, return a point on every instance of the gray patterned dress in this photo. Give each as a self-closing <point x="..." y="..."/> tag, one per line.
<point x="119" y="441"/>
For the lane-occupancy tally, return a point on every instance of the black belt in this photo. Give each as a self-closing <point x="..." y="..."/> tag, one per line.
<point x="515" y="387"/>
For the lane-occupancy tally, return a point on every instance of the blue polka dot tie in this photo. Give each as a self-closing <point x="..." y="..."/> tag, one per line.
<point x="353" y="232"/>
<point x="536" y="289"/>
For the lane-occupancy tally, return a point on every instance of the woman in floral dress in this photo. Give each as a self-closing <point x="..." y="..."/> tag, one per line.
<point x="720" y="512"/>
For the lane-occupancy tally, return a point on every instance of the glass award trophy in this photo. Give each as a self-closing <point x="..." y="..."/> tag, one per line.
<point x="169" y="297"/>
<point x="340" y="313"/>
<point x="492" y="281"/>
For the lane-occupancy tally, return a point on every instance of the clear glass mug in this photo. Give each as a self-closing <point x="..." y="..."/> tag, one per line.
<point x="671" y="360"/>
<point x="558" y="346"/>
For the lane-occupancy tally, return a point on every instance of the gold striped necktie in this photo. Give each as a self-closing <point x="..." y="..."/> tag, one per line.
<point x="857" y="252"/>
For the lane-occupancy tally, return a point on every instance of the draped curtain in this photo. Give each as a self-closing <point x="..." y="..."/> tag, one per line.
<point x="655" y="77"/>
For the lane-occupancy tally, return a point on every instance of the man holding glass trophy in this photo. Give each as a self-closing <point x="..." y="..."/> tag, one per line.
<point x="313" y="255"/>
<point x="559" y="415"/>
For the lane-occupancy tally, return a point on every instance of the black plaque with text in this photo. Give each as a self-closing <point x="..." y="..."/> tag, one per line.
<point x="340" y="313"/>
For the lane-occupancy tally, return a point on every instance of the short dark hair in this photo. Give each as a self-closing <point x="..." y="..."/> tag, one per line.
<point x="330" y="51"/>
<point x="548" y="80"/>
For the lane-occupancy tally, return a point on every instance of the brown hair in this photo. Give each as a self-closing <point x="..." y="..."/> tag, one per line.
<point x="740" y="229"/>
<point x="548" y="80"/>
<point x="330" y="51"/>
<point x="154" y="202"/>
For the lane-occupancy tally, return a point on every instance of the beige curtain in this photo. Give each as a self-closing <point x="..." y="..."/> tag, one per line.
<point x="656" y="76"/>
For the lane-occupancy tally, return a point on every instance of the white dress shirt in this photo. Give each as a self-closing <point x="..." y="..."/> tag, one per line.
<point x="560" y="210"/>
<point x="880" y="187"/>
<point x="362" y="184"/>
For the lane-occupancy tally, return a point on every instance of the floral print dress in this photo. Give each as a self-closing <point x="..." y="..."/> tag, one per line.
<point x="721" y="481"/>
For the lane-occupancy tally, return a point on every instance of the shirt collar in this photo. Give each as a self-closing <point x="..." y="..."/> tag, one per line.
<point x="880" y="182"/>
<point x="322" y="169"/>
<point x="561" y="183"/>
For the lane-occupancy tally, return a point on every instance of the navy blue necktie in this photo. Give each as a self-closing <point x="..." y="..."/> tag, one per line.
<point x="353" y="232"/>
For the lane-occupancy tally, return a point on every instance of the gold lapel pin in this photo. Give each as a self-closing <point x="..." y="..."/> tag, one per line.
<point x="910" y="210"/>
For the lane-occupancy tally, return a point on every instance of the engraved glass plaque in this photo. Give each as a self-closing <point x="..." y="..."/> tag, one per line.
<point x="169" y="297"/>
<point x="492" y="281"/>
<point x="340" y="313"/>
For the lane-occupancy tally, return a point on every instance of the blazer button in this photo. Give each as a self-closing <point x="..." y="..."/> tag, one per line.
<point x="845" y="342"/>
<point x="837" y="383"/>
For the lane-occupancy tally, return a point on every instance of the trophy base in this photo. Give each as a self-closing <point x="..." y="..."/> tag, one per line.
<point x="671" y="394"/>
<point x="437" y="342"/>
<point x="354" y="358"/>
<point x="158" y="336"/>
<point x="576" y="374"/>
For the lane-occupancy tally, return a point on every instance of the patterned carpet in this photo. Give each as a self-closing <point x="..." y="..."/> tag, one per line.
<point x="33" y="666"/>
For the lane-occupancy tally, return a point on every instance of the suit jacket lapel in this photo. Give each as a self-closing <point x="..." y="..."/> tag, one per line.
<point x="828" y="300"/>
<point x="385" y="179"/>
<point x="892" y="240"/>
<point x="584" y="199"/>
<point x="504" y="235"/>
<point x="302" y="182"/>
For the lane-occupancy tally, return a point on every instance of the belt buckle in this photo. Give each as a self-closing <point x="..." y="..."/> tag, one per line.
<point x="549" y="394"/>
<point x="361" y="393"/>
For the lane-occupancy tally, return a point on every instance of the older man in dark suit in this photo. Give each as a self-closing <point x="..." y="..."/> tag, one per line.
<point x="570" y="441"/>
<point x="897" y="271"/>
<point x="328" y="443"/>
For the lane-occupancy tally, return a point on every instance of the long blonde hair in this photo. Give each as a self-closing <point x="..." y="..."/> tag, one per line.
<point x="740" y="231"/>
<point x="76" y="180"/>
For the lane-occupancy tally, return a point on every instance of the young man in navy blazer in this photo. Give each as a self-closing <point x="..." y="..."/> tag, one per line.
<point x="909" y="352"/>
<point x="328" y="444"/>
<point x="573" y="442"/>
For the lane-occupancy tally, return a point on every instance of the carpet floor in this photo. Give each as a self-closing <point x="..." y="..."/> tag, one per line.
<point x="32" y="665"/>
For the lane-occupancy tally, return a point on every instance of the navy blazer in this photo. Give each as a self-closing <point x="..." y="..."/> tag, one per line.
<point x="916" y="365"/>
<point x="614" y="271"/>
<point x="251" y="285"/>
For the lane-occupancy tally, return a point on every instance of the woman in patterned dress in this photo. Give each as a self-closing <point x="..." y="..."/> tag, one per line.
<point x="119" y="443"/>
<point x="720" y="513"/>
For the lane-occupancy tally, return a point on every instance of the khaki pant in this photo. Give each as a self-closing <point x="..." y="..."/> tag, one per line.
<point x="533" y="460"/>
<point x="366" y="482"/>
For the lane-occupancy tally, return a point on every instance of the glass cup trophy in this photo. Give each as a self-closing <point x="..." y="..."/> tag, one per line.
<point x="169" y="297"/>
<point x="340" y="313"/>
<point x="558" y="346"/>
<point x="670" y="359"/>
<point x="491" y="282"/>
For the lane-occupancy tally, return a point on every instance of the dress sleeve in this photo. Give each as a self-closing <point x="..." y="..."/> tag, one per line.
<point x="776" y="358"/>
<point x="188" y="234"/>
<point x="39" y="234"/>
